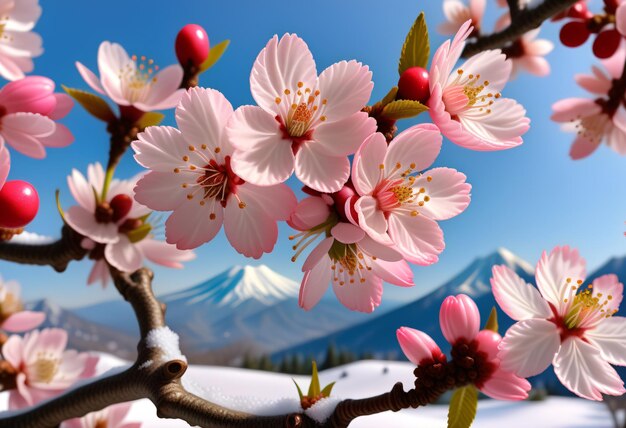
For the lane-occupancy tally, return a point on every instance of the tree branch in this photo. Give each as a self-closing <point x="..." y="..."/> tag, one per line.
<point x="524" y="21"/>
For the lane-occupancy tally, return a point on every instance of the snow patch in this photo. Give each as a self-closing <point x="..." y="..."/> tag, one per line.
<point x="31" y="238"/>
<point x="168" y="343"/>
<point x="512" y="260"/>
<point x="322" y="409"/>
<point x="145" y="364"/>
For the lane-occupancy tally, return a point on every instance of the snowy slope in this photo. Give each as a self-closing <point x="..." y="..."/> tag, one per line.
<point x="265" y="392"/>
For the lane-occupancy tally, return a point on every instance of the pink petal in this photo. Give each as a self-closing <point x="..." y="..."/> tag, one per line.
<point x="22" y="131"/>
<point x="314" y="284"/>
<point x="477" y="9"/>
<point x="459" y="318"/>
<point x="192" y="224"/>
<point x="99" y="272"/>
<point x="612" y="292"/>
<point x="344" y="137"/>
<point x="380" y="251"/>
<point x="448" y="192"/>
<point x="593" y="84"/>
<point x="309" y="212"/>
<point x="581" y="369"/>
<point x="535" y="65"/>
<point x="418" y="238"/>
<point x="161" y="90"/>
<point x="32" y="94"/>
<point x="503" y="385"/>
<point x="372" y="219"/>
<point x="347" y="233"/>
<point x="62" y="137"/>
<point x="9" y="69"/>
<point x="12" y="350"/>
<point x="415" y="148"/>
<point x="249" y="229"/>
<point x="63" y="107"/>
<point x="529" y="346"/>
<point x="367" y="161"/>
<point x="162" y="191"/>
<point x="5" y="163"/>
<point x="321" y="172"/>
<point x="347" y="86"/>
<point x="397" y="273"/>
<point x="201" y="117"/>
<point x="553" y="272"/>
<point x="113" y="59"/>
<point x="620" y="19"/>
<point x="52" y="340"/>
<point x="23" y="321"/>
<point x="582" y="147"/>
<point x="92" y="80"/>
<point x="277" y="201"/>
<point x="161" y="148"/>
<point x="417" y="345"/>
<point x="490" y="65"/>
<point x="573" y="108"/>
<point x="517" y="299"/>
<point x="447" y="55"/>
<point x="360" y="296"/>
<point x="23" y="15"/>
<point x="261" y="155"/>
<point x="164" y="254"/>
<point x="81" y="191"/>
<point x="84" y="222"/>
<point x="123" y="255"/>
<point x="609" y="336"/>
<point x="318" y="253"/>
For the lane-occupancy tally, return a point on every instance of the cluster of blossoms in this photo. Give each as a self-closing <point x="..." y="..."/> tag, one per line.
<point x="18" y="44"/>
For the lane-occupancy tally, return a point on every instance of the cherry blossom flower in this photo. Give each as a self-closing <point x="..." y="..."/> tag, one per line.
<point x="302" y="122"/>
<point x="18" y="44"/>
<point x="5" y="164"/>
<point x="564" y="323"/>
<point x="134" y="82"/>
<point x="109" y="417"/>
<point x="13" y="317"/>
<point x="44" y="367"/>
<point x="457" y="13"/>
<point x="30" y="108"/>
<point x="466" y="103"/>
<point x="527" y="53"/>
<point x="399" y="205"/>
<point x="599" y="119"/>
<point x="355" y="264"/>
<point x="191" y="175"/>
<point x="475" y="350"/>
<point x="118" y="229"/>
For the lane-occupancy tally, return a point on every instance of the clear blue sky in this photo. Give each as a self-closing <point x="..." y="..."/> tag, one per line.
<point x="527" y="199"/>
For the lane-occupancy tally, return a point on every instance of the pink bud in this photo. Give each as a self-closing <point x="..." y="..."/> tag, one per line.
<point x="19" y="203"/>
<point x="192" y="45"/>
<point x="459" y="318"/>
<point x="32" y="94"/>
<point x="309" y="212"/>
<point x="418" y="346"/>
<point x="488" y="341"/>
<point x="344" y="203"/>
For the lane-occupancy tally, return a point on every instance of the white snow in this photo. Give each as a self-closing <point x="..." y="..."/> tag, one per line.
<point x="322" y="410"/>
<point x="31" y="238"/>
<point x="269" y="393"/>
<point x="512" y="260"/>
<point x="167" y="341"/>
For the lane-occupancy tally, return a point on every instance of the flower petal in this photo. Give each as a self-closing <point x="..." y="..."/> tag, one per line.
<point x="347" y="87"/>
<point x="417" y="345"/>
<point x="367" y="161"/>
<point x="319" y="252"/>
<point x="459" y="318"/>
<point x="449" y="194"/>
<point x="397" y="273"/>
<point x="123" y="255"/>
<point x="314" y="284"/>
<point x="90" y="78"/>
<point x="608" y="288"/>
<point x="415" y="148"/>
<point x="84" y="222"/>
<point x="344" y="137"/>
<point x="321" y="172"/>
<point x="553" y="272"/>
<point x="418" y="238"/>
<point x="22" y="131"/>
<point x="609" y="336"/>
<point x="23" y="321"/>
<point x="277" y="201"/>
<point x="162" y="191"/>
<point x="372" y="219"/>
<point x="362" y="295"/>
<point x="517" y="299"/>
<point x="192" y="224"/>
<point x="347" y="233"/>
<point x="503" y="385"/>
<point x="161" y="148"/>
<point x="163" y="86"/>
<point x="164" y="254"/>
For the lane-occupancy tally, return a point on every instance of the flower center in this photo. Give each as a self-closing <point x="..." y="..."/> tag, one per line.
<point x="592" y="127"/>
<point x="9" y="304"/>
<point x="44" y="368"/>
<point x="350" y="263"/>
<point x="397" y="190"/>
<point x="468" y="93"/>
<point x="584" y="307"/>
<point x="136" y="76"/>
<point x="300" y="109"/>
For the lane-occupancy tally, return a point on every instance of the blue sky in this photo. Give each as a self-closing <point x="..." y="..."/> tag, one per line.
<point x="526" y="199"/>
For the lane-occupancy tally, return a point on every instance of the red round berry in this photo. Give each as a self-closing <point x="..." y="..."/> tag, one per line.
<point x="413" y="85"/>
<point x="192" y="45"/>
<point x="121" y="205"/>
<point x="606" y="43"/>
<point x="579" y="10"/>
<point x="19" y="203"/>
<point x="574" y="34"/>
<point x="610" y="6"/>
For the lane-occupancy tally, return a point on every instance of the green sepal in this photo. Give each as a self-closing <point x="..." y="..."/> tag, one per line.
<point x="403" y="109"/>
<point x="327" y="389"/>
<point x="57" y="195"/>
<point x="151" y="118"/>
<point x="463" y="407"/>
<point x="140" y="233"/>
<point x="95" y="106"/>
<point x="391" y="96"/>
<point x="299" y="390"/>
<point x="314" y="387"/>
<point x="492" y="322"/>
<point x="416" y="48"/>
<point x="215" y="54"/>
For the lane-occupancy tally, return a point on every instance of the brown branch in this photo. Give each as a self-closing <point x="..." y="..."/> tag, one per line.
<point x="57" y="254"/>
<point x="524" y="21"/>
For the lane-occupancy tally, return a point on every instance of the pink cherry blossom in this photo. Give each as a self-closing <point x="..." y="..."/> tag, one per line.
<point x="13" y="317"/>
<point x="527" y="53"/>
<point x="398" y="204"/>
<point x="109" y="417"/>
<point x="191" y="175"/>
<point x="457" y="13"/>
<point x="18" y="44"/>
<point x="120" y="237"/>
<point x="355" y="264"/>
<point x="44" y="367"/>
<point x="595" y="120"/>
<point x="460" y="325"/>
<point x="564" y="323"/>
<point x="132" y="81"/>
<point x="466" y="103"/>
<point x="29" y="108"/>
<point x="302" y="122"/>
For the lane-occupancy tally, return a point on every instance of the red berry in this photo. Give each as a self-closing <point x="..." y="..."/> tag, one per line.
<point x="610" y="6"/>
<point x="413" y="85"/>
<point x="579" y="10"/>
<point x="574" y="34"/>
<point x="606" y="43"/>
<point x="192" y="45"/>
<point x="120" y="205"/>
<point x="19" y="203"/>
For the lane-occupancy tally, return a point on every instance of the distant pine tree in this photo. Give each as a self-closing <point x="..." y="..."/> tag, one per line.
<point x="265" y="363"/>
<point x="284" y="366"/>
<point x="332" y="359"/>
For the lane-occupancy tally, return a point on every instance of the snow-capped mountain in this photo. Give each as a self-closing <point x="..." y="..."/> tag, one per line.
<point x="378" y="335"/>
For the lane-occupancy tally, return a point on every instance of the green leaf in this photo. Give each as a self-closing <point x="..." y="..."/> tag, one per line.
<point x="314" y="387"/>
<point x="403" y="109"/>
<point x="327" y="389"/>
<point x="391" y="95"/>
<point x="299" y="390"/>
<point x="463" y="407"/>
<point x="57" y="194"/>
<point x="140" y="233"/>
<point x="215" y="54"/>
<point x="416" y="48"/>
<point x="492" y="322"/>
<point x="94" y="105"/>
<point x="151" y="118"/>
